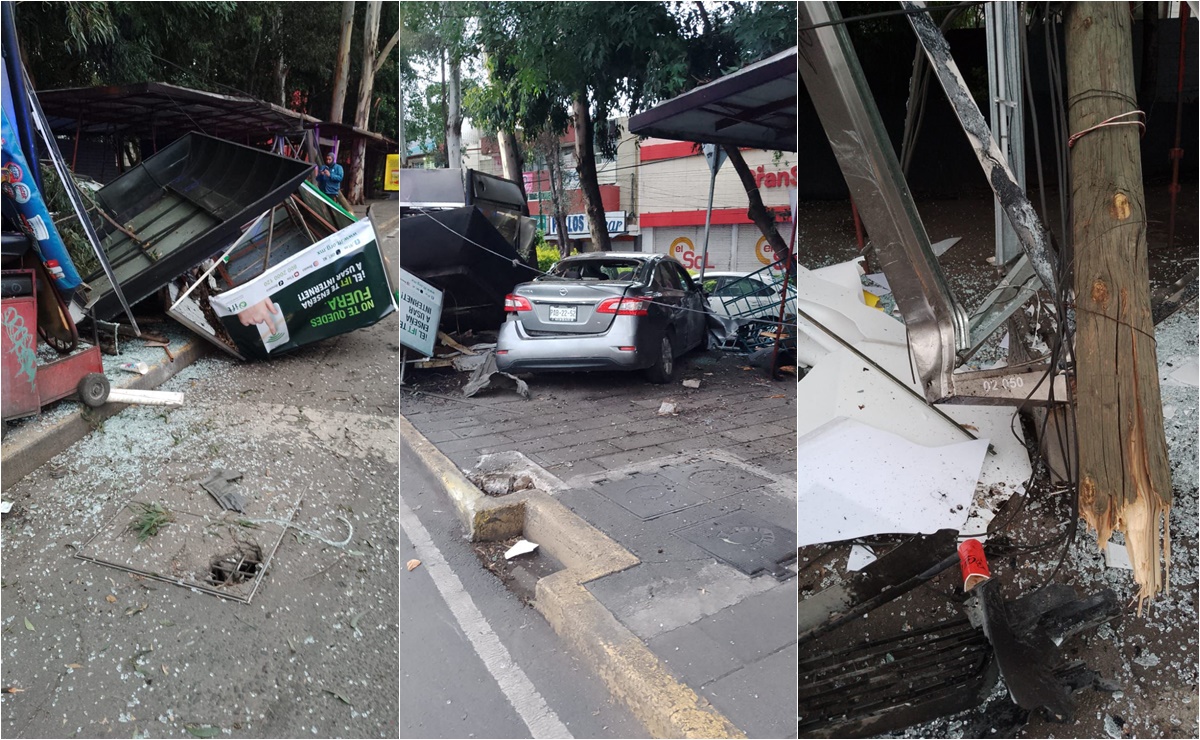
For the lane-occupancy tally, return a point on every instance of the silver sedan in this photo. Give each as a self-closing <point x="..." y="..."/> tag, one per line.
<point x="604" y="311"/>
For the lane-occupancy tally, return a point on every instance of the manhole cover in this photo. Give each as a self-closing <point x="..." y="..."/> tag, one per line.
<point x="752" y="537"/>
<point x="746" y="542"/>
<point x="649" y="495"/>
<point x="714" y="479"/>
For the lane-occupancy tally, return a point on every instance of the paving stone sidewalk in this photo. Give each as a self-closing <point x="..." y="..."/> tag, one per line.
<point x="672" y="489"/>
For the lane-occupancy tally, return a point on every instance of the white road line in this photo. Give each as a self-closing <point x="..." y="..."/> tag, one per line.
<point x="518" y="689"/>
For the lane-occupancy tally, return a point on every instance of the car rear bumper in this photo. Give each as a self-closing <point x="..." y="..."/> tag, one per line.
<point x="517" y="351"/>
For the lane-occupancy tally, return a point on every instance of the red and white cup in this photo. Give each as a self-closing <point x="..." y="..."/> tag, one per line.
<point x="973" y="563"/>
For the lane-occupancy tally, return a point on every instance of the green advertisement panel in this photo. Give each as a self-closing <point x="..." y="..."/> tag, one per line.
<point x="337" y="285"/>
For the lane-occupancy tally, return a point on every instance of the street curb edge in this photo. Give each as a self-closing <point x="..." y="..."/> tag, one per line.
<point x="484" y="518"/>
<point x="22" y="456"/>
<point x="635" y="675"/>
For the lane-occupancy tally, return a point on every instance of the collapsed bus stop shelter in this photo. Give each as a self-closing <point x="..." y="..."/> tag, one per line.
<point x="93" y="122"/>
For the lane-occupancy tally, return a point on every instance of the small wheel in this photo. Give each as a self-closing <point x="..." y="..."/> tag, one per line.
<point x="93" y="390"/>
<point x="663" y="369"/>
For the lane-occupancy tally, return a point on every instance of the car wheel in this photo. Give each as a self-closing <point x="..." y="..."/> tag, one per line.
<point x="663" y="369"/>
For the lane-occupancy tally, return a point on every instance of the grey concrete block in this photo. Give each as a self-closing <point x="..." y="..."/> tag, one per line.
<point x="757" y="626"/>
<point x="692" y="656"/>
<point x="755" y="697"/>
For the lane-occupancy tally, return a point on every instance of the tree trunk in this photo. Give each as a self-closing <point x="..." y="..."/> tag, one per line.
<point x="281" y="73"/>
<point x="758" y="213"/>
<point x="454" y="117"/>
<point x="1124" y="474"/>
<point x="403" y="143"/>
<point x="341" y="69"/>
<point x="362" y="111"/>
<point x="510" y="160"/>
<point x="252" y="71"/>
<point x="585" y="163"/>
<point x="558" y="198"/>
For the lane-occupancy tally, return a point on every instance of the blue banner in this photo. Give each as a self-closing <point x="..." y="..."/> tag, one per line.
<point x="18" y="185"/>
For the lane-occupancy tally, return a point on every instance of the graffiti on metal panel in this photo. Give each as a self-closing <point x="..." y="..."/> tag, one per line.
<point x="18" y="337"/>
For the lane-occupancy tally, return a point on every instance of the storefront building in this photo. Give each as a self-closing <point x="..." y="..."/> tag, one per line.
<point x="673" y="184"/>
<point x="655" y="193"/>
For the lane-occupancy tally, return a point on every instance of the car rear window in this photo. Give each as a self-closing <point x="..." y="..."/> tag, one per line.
<point x="596" y="270"/>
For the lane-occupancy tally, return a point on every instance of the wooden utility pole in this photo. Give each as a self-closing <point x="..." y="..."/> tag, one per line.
<point x="1124" y="474"/>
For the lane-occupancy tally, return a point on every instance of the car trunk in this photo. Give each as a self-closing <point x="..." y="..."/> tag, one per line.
<point x="569" y="306"/>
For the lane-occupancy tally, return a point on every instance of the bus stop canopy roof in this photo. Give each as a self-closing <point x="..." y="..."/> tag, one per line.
<point x="753" y="107"/>
<point x="157" y="110"/>
<point x="149" y="109"/>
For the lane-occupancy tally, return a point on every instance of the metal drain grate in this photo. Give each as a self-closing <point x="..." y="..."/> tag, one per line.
<point x="239" y="566"/>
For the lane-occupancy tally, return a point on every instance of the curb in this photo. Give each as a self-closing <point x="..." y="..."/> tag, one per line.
<point x="485" y="519"/>
<point x="632" y="672"/>
<point x="25" y="453"/>
<point x="392" y="222"/>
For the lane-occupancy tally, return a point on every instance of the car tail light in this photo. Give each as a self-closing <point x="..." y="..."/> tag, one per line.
<point x="514" y="303"/>
<point x="624" y="306"/>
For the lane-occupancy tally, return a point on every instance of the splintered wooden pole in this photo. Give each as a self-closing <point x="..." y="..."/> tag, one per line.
<point x="1124" y="474"/>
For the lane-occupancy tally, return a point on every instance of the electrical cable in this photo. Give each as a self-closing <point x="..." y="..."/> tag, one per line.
<point x="1061" y="356"/>
<point x="1037" y="142"/>
<point x="540" y="273"/>
<point x="1063" y="339"/>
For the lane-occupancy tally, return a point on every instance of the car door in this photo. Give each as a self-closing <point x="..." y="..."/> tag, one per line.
<point x="694" y="306"/>
<point x="669" y="293"/>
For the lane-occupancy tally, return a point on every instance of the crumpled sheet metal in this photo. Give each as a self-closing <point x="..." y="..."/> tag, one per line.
<point x="220" y="486"/>
<point x="487" y="373"/>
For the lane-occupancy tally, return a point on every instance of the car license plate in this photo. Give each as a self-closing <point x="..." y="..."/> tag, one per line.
<point x="563" y="313"/>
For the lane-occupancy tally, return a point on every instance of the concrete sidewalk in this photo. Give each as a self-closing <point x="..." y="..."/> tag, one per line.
<point x="668" y="490"/>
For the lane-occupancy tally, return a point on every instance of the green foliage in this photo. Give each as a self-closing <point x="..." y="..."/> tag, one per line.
<point x="424" y="123"/>
<point x="148" y="519"/>
<point x="543" y="55"/>
<point x="69" y="228"/>
<point x="547" y="254"/>
<point x="263" y="49"/>
<point x="433" y="34"/>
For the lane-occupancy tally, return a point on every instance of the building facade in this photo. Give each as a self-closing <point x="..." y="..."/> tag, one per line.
<point x="673" y="185"/>
<point x="655" y="193"/>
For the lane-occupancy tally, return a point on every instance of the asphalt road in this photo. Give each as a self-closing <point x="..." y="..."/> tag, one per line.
<point x="99" y="652"/>
<point x="475" y="661"/>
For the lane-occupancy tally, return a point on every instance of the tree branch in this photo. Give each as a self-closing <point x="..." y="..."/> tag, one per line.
<point x="387" y="48"/>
